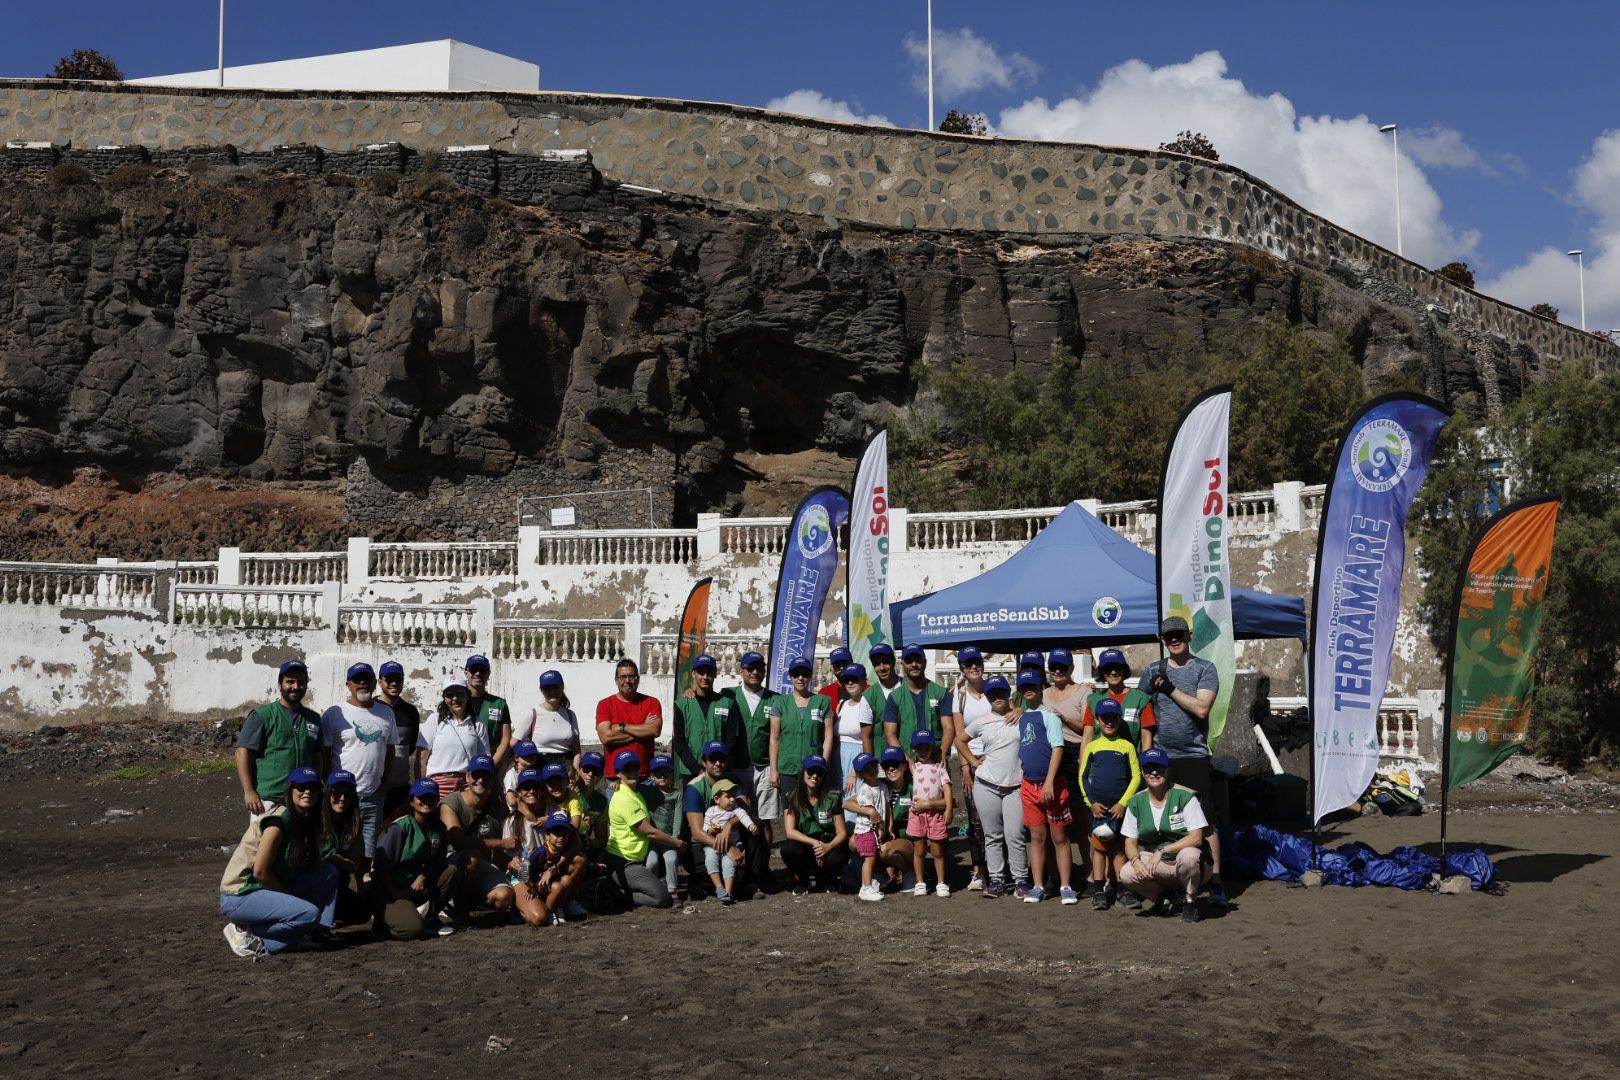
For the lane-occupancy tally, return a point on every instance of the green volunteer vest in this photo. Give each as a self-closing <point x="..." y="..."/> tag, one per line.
<point x="1154" y="835"/>
<point x="817" y="821"/>
<point x="1133" y="704"/>
<point x="906" y="705"/>
<point x="496" y="714"/>
<point x="902" y="808"/>
<point x="291" y="741"/>
<point x="701" y="723"/>
<point x="802" y="731"/>
<point x="756" y="726"/>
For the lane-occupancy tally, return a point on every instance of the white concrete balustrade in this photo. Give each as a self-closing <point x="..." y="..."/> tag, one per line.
<point x="453" y="625"/>
<point x="454" y="562"/>
<point x="71" y="585"/>
<point x="250" y="606"/>
<point x="562" y="640"/>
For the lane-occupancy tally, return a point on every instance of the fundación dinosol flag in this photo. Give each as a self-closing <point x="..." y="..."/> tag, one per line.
<point x="1195" y="575"/>
<point x="1356" y="596"/>
<point x="868" y="592"/>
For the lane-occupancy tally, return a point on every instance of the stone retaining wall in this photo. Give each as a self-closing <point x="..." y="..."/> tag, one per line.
<point x="850" y="174"/>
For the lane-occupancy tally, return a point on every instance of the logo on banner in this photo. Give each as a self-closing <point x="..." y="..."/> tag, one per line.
<point x="1380" y="455"/>
<point x="815" y="533"/>
<point x="1106" y="612"/>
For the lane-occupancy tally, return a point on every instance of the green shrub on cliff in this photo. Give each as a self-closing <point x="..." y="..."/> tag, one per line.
<point x="128" y="176"/>
<point x="1562" y="438"/>
<point x="68" y="175"/>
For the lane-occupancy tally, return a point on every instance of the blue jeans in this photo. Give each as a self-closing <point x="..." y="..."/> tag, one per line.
<point x="371" y="815"/>
<point x="282" y="919"/>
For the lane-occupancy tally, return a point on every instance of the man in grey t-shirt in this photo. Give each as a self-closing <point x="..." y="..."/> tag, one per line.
<point x="1183" y="688"/>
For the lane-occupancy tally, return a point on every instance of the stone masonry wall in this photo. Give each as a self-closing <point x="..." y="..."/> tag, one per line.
<point x="850" y="174"/>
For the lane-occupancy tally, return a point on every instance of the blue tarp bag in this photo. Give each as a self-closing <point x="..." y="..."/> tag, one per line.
<point x="1475" y="865"/>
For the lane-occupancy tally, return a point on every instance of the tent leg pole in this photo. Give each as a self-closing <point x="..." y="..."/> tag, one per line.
<point x="1271" y="755"/>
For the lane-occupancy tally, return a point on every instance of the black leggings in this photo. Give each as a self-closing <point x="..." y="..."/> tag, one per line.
<point x="802" y="867"/>
<point x="640" y="886"/>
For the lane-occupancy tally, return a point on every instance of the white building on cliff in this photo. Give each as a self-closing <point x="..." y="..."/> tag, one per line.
<point x="425" y="65"/>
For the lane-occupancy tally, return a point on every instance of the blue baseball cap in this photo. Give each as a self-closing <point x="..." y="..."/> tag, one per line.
<point x="481" y="763"/>
<point x="339" y="776"/>
<point x="424" y="789"/>
<point x="557" y="822"/>
<point x="997" y="683"/>
<point x="359" y="671"/>
<point x="839" y="657"/>
<point x="475" y="661"/>
<point x="815" y="761"/>
<point x="1108" y="707"/>
<point x="661" y="761"/>
<point x="750" y="659"/>
<point x="705" y="661"/>
<point x="715" y="748"/>
<point x="1032" y="658"/>
<point x="525" y="748"/>
<point x="291" y="666"/>
<point x="891" y="755"/>
<point x="1112" y="658"/>
<point x="391" y="668"/>
<point x="969" y="654"/>
<point x="550" y="678"/>
<point x="532" y="776"/>
<point x="882" y="650"/>
<point x="591" y="759"/>
<point x="913" y="651"/>
<point x="862" y="760"/>
<point x="923" y="737"/>
<point x="554" y="771"/>
<point x="625" y="759"/>
<point x="853" y="671"/>
<point x="301" y="776"/>
<point x="1030" y="677"/>
<point x="1157" y="757"/>
<point x="801" y="663"/>
<point x="1060" y="658"/>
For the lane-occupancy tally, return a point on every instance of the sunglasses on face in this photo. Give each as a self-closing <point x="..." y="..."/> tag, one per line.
<point x="1153" y="770"/>
<point x="1174" y="639"/>
<point x="306" y="787"/>
<point x="532" y="787"/>
<point x="1059" y="667"/>
<point x="798" y="674"/>
<point x="339" y="793"/>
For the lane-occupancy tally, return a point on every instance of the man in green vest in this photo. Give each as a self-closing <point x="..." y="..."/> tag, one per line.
<point x="277" y="738"/>
<point x="756" y="705"/>
<point x="1164" y="829"/>
<point x="702" y="717"/>
<point x="886" y="680"/>
<point x="801" y="727"/>
<point x="919" y="704"/>
<point x="495" y="713"/>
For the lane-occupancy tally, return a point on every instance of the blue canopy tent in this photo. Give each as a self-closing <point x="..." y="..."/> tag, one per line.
<point x="1076" y="581"/>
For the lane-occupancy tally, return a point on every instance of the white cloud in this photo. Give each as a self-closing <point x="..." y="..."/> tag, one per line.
<point x="1339" y="168"/>
<point x="1550" y="276"/>
<point x="964" y="62"/>
<point x="1440" y="147"/>
<point x="815" y="103"/>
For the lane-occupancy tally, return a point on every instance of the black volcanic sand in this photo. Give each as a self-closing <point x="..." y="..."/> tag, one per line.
<point x="115" y="965"/>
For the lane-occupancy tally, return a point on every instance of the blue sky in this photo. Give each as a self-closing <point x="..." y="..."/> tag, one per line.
<point x="1503" y="107"/>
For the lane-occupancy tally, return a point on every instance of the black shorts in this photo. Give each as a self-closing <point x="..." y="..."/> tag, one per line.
<point x="1195" y="773"/>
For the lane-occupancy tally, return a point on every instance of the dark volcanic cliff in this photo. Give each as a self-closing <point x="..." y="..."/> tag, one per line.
<point x="467" y="350"/>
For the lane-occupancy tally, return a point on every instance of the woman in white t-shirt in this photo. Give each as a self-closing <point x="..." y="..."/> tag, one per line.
<point x="997" y="776"/>
<point x="855" y="724"/>
<point x="552" y="726"/>
<point x="969" y="704"/>
<point x="451" y="738"/>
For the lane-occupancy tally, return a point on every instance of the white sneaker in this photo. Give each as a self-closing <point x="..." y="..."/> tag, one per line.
<point x="243" y="943"/>
<point x="425" y="908"/>
<point x="920" y="889"/>
<point x="976" y="883"/>
<point x="942" y="889"/>
<point x="869" y="892"/>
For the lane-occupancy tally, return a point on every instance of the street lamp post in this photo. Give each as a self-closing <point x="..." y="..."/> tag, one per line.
<point x="221" y="42"/>
<point x="1395" y="141"/>
<point x="1580" y="272"/>
<point x="930" y="65"/>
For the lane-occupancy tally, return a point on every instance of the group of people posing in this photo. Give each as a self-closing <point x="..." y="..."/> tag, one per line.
<point x="369" y="812"/>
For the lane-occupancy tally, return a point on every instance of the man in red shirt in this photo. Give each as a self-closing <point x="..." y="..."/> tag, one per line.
<point x="839" y="658"/>
<point x="628" y="720"/>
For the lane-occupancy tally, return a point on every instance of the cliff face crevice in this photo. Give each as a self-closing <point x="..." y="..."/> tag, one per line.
<point x="463" y="350"/>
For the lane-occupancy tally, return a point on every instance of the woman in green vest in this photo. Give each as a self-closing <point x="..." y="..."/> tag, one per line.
<point x="816" y="844"/>
<point x="276" y="890"/>
<point x="1164" y="831"/>
<point x="799" y="728"/>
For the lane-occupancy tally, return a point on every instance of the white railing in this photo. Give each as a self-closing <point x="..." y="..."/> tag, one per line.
<point x="562" y="640"/>
<point x="456" y="562"/>
<point x="102" y="588"/>
<point x="1310" y="502"/>
<point x="1252" y="512"/>
<point x="247" y="606"/>
<point x="1132" y="520"/>
<point x="630" y="547"/>
<point x="293" y="568"/>
<point x="754" y="536"/>
<point x="196" y="573"/>
<point x="959" y="528"/>
<point x="407" y="624"/>
<point x="1400" y="726"/>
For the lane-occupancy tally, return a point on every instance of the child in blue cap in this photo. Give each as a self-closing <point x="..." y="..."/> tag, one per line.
<point x="870" y="805"/>
<point x="664" y="810"/>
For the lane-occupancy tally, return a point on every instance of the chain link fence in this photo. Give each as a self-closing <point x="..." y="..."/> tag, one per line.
<point x="618" y="508"/>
